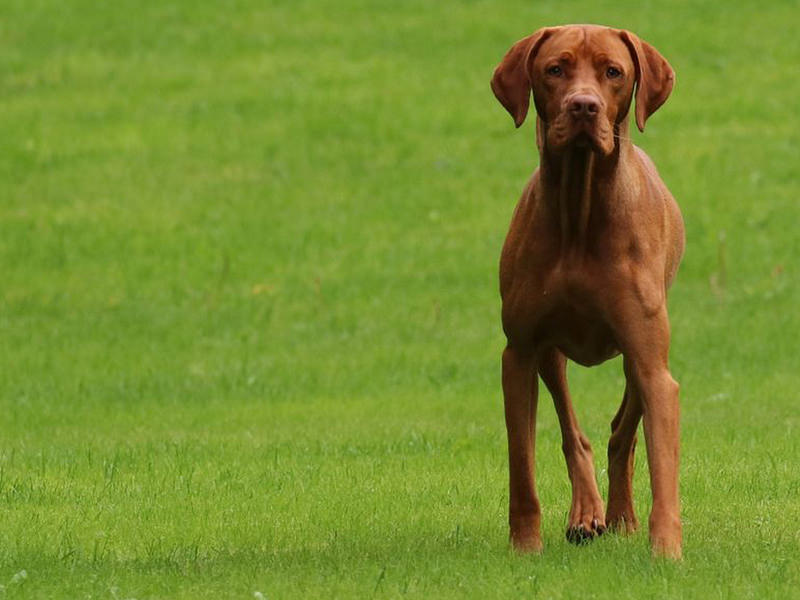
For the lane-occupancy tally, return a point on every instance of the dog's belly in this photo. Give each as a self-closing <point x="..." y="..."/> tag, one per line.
<point x="581" y="336"/>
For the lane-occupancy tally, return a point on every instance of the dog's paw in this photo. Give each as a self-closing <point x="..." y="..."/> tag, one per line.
<point x="623" y="523"/>
<point x="531" y="544"/>
<point x="580" y="534"/>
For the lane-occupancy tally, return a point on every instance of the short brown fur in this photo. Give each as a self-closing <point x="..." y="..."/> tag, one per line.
<point x="593" y="246"/>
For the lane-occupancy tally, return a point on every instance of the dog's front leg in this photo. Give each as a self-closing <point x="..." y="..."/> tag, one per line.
<point x="586" y="516"/>
<point x="647" y="342"/>
<point x="520" y="390"/>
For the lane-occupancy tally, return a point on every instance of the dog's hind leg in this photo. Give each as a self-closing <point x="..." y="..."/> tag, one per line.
<point x="620" y="515"/>
<point x="586" y="516"/>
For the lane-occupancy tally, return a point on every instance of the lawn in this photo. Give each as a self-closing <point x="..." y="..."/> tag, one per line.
<point x="249" y="318"/>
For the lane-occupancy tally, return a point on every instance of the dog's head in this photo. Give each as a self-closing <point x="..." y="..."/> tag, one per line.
<point x="583" y="79"/>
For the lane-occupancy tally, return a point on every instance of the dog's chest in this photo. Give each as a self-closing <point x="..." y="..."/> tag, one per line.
<point x="566" y="307"/>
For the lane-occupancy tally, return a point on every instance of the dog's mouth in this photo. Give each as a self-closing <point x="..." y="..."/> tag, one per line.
<point x="583" y="139"/>
<point x="584" y="136"/>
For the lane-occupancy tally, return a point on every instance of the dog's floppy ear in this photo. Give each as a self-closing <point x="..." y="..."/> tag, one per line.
<point x="654" y="77"/>
<point x="511" y="82"/>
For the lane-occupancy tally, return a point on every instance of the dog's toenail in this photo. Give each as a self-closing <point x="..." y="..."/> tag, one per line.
<point x="579" y="535"/>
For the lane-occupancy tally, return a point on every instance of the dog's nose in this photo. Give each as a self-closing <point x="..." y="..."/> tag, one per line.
<point x="584" y="106"/>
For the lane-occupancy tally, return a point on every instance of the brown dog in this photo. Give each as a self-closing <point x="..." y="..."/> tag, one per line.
<point x="594" y="243"/>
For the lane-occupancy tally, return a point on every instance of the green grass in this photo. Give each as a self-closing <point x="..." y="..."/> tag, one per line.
<point x="249" y="320"/>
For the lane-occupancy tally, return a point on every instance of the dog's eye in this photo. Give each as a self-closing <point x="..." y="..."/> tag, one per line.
<point x="555" y="71"/>
<point x="613" y="72"/>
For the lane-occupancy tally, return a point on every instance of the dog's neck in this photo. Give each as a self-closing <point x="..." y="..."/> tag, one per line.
<point x="578" y="180"/>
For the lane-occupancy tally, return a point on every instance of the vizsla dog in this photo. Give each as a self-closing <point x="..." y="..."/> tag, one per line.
<point x="594" y="243"/>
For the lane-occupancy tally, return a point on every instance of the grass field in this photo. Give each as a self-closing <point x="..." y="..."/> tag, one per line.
<point x="249" y="319"/>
